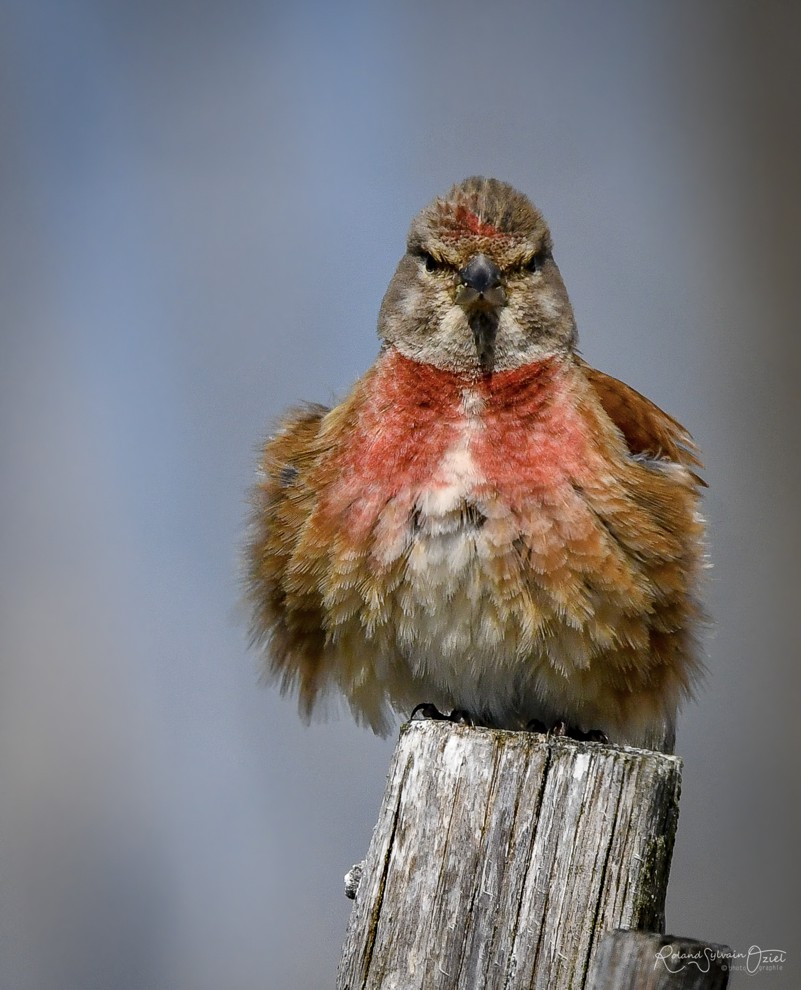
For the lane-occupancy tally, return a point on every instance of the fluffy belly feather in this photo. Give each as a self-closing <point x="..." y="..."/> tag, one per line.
<point x="490" y="556"/>
<point x="492" y="609"/>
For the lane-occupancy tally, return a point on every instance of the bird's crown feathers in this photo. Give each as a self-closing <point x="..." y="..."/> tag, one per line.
<point x="481" y="207"/>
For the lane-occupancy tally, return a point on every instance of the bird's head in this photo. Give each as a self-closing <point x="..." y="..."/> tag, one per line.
<point x="478" y="290"/>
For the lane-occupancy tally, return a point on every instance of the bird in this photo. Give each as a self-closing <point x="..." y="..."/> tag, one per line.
<point x="485" y="524"/>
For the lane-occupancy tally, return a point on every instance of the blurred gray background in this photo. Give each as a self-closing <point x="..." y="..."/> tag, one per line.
<point x="201" y="205"/>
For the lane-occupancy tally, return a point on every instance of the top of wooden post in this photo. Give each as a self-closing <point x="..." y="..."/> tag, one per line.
<point x="500" y="858"/>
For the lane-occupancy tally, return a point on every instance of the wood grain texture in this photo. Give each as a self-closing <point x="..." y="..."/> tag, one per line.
<point x="629" y="960"/>
<point x="500" y="859"/>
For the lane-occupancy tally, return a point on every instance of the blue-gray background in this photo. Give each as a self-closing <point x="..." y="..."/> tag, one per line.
<point x="202" y="204"/>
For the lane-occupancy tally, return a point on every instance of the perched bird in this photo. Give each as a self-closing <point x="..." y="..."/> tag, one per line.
<point x="485" y="523"/>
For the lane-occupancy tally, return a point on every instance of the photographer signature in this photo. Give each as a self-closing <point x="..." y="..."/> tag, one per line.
<point x="752" y="961"/>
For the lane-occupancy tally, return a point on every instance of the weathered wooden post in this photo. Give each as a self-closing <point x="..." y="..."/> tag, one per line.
<point x="500" y="860"/>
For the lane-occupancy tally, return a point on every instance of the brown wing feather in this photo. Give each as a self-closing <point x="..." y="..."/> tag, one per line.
<point x="283" y="500"/>
<point x="289" y="551"/>
<point x="647" y="429"/>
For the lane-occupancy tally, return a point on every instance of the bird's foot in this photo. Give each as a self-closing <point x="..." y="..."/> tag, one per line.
<point x="427" y="711"/>
<point x="561" y="728"/>
<point x="591" y="735"/>
<point x="460" y="717"/>
<point x="535" y="725"/>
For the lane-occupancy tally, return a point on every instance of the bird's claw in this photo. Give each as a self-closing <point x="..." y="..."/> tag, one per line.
<point x="426" y="711"/>
<point x="592" y="735"/>
<point x="460" y="717"/>
<point x="560" y="728"/>
<point x="535" y="725"/>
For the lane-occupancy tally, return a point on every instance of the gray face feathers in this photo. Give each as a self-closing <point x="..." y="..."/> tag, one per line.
<point x="478" y="290"/>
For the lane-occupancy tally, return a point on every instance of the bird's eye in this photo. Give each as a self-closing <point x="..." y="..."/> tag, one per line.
<point x="534" y="263"/>
<point x="432" y="264"/>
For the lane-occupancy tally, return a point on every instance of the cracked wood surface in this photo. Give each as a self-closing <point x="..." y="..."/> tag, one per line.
<point x="501" y="858"/>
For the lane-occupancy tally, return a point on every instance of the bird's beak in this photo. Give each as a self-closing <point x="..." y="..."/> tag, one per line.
<point x="480" y="285"/>
<point x="481" y="295"/>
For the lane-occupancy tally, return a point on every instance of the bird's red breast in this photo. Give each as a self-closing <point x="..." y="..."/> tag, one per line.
<point x="519" y="430"/>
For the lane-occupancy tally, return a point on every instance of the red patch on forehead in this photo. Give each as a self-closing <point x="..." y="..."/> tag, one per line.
<point x="468" y="220"/>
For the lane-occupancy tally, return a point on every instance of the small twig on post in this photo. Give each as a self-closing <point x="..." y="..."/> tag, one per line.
<point x="352" y="880"/>
<point x="501" y="858"/>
